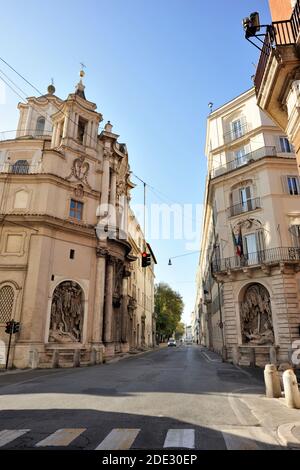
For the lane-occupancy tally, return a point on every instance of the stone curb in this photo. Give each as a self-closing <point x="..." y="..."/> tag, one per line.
<point x="286" y="436"/>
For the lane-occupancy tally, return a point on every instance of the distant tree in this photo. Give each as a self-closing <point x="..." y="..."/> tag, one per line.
<point x="168" y="308"/>
<point x="180" y="330"/>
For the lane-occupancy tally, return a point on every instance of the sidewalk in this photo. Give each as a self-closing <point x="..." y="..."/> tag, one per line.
<point x="270" y="413"/>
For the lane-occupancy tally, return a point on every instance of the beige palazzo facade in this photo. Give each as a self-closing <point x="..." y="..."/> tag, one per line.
<point x="66" y="257"/>
<point x="248" y="283"/>
<point x="277" y="78"/>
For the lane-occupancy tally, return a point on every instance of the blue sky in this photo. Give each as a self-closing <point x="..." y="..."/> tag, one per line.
<point x="152" y="68"/>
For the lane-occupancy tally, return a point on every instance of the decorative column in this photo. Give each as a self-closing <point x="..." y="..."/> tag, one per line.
<point x="108" y="308"/>
<point x="28" y="121"/>
<point x="113" y="199"/>
<point x="72" y="120"/>
<point x="88" y="134"/>
<point x="105" y="184"/>
<point x="54" y="135"/>
<point x="59" y="132"/>
<point x="124" y="319"/>
<point x="66" y="125"/>
<point x="97" y="337"/>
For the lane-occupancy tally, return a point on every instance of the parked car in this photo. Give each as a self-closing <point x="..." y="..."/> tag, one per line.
<point x="171" y="343"/>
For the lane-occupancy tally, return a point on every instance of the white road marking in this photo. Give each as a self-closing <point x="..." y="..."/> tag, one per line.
<point x="119" y="439"/>
<point x="8" y="436"/>
<point x="247" y="438"/>
<point x="182" y="438"/>
<point x="209" y="359"/>
<point x="61" y="438"/>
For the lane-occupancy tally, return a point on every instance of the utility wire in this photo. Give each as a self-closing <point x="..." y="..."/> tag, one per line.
<point x="41" y="94"/>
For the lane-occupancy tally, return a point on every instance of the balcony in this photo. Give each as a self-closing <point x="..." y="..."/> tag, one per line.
<point x="278" y="61"/>
<point x="246" y="206"/>
<point x="30" y="134"/>
<point x="244" y="160"/>
<point x="236" y="134"/>
<point x="20" y="168"/>
<point x="269" y="257"/>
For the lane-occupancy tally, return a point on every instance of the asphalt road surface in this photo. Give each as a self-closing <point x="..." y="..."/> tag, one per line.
<point x="173" y="398"/>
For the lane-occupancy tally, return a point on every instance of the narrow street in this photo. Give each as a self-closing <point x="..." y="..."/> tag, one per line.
<point x="182" y="397"/>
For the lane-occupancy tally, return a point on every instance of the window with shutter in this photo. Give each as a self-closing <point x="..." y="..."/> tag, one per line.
<point x="293" y="185"/>
<point x="285" y="145"/>
<point x="6" y="303"/>
<point x="295" y="231"/>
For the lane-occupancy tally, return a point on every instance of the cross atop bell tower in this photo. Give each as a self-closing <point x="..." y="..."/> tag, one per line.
<point x="76" y="124"/>
<point x="80" y="86"/>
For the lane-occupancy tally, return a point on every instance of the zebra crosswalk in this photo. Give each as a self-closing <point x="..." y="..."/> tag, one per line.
<point x="244" y="438"/>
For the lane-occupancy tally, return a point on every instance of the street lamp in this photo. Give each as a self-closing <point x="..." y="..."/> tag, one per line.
<point x="181" y="256"/>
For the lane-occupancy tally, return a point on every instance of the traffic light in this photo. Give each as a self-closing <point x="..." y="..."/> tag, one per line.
<point x="9" y="327"/>
<point x="12" y="327"/>
<point x="16" y="327"/>
<point x="146" y="260"/>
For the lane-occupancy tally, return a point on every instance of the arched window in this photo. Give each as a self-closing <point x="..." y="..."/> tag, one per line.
<point x="20" y="167"/>
<point x="40" y="126"/>
<point x="6" y="303"/>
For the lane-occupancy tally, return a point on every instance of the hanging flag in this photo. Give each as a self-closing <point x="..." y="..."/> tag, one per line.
<point x="238" y="242"/>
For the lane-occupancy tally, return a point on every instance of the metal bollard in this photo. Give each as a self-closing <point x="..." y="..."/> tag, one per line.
<point x="272" y="381"/>
<point x="76" y="360"/>
<point x="55" y="359"/>
<point x="291" y="390"/>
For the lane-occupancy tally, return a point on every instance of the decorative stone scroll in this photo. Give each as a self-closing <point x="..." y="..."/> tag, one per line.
<point x="67" y="312"/>
<point x="80" y="170"/>
<point x="256" y="316"/>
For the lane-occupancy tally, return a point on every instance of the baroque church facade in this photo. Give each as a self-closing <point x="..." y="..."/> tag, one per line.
<point x="66" y="256"/>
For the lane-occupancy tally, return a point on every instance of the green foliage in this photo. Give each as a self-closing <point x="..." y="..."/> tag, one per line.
<point x="168" y="308"/>
<point x="180" y="330"/>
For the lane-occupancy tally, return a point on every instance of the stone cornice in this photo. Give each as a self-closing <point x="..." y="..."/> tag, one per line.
<point x="51" y="221"/>
<point x="31" y="178"/>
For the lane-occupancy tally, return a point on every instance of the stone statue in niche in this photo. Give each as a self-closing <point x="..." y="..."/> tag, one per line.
<point x="66" y="314"/>
<point x="256" y="316"/>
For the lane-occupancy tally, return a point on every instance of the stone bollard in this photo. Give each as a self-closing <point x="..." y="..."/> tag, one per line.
<point x="33" y="359"/>
<point x="76" y="359"/>
<point x="273" y="356"/>
<point x="252" y="358"/>
<point x="291" y="390"/>
<point x="55" y="359"/>
<point x="272" y="381"/>
<point x="235" y="355"/>
<point x="224" y="354"/>
<point x="93" y="358"/>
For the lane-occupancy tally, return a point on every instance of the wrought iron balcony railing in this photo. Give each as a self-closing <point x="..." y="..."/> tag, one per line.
<point x="236" y="134"/>
<point x="244" y="160"/>
<point x="20" y="168"/>
<point x="25" y="134"/>
<point x="270" y="256"/>
<point x="242" y="207"/>
<point x="280" y="33"/>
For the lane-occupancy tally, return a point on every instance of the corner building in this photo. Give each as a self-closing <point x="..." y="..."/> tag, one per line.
<point x="65" y="253"/>
<point x="249" y="269"/>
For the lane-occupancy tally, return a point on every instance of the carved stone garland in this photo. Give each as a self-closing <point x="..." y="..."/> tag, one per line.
<point x="256" y="316"/>
<point x="66" y="314"/>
